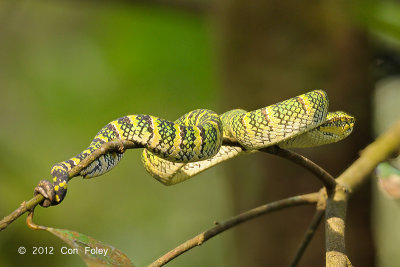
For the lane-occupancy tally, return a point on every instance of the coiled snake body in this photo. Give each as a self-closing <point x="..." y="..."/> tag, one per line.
<point x="176" y="151"/>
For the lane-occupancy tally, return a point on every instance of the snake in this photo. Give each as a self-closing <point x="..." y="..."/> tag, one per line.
<point x="175" y="151"/>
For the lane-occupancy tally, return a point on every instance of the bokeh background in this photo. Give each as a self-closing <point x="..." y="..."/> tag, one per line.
<point x="69" y="67"/>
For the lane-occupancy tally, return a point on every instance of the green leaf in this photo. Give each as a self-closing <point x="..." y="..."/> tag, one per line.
<point x="92" y="251"/>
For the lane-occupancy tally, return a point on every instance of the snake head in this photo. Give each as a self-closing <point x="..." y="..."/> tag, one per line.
<point x="339" y="123"/>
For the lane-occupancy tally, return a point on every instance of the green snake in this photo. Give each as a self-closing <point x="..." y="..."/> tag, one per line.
<point x="176" y="151"/>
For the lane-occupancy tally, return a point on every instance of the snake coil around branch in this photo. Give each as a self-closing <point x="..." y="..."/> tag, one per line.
<point x="176" y="151"/>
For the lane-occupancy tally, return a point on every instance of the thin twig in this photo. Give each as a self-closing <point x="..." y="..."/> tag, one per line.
<point x="243" y="217"/>
<point x="327" y="179"/>
<point x="316" y="220"/>
<point x="115" y="145"/>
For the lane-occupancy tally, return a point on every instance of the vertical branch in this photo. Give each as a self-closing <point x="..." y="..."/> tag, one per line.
<point x="336" y="207"/>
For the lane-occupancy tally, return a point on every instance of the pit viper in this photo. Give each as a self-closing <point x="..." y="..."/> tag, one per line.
<point x="176" y="151"/>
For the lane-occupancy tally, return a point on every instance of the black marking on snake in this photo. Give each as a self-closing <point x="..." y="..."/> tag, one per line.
<point x="167" y="135"/>
<point x="192" y="145"/>
<point x="110" y="132"/>
<point x="183" y="133"/>
<point x="196" y="119"/>
<point x="149" y="121"/>
<point x="203" y="139"/>
<point x="98" y="140"/>
<point x="58" y="173"/>
<point x="71" y="162"/>
<point x="141" y="125"/>
<point x="123" y="120"/>
<point x="328" y="134"/>
<point x="126" y="126"/>
<point x="113" y="128"/>
<point x="63" y="165"/>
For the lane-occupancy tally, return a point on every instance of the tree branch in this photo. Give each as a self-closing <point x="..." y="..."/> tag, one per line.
<point x="243" y="217"/>
<point x="336" y="207"/>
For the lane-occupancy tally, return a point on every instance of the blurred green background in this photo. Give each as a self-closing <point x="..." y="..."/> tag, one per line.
<point x="67" y="68"/>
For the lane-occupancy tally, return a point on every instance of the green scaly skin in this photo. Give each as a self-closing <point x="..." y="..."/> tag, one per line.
<point x="176" y="151"/>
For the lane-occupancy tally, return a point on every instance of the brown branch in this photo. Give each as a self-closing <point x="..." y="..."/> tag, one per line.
<point x="316" y="220"/>
<point x="327" y="179"/>
<point x="336" y="207"/>
<point x="243" y="217"/>
<point x="115" y="145"/>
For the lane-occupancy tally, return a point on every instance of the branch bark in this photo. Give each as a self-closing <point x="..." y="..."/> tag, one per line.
<point x="336" y="207"/>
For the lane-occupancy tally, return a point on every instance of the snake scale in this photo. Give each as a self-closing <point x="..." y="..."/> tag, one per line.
<point x="176" y="151"/>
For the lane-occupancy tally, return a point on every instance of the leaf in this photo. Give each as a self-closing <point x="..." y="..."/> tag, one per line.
<point x="389" y="180"/>
<point x="92" y="251"/>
